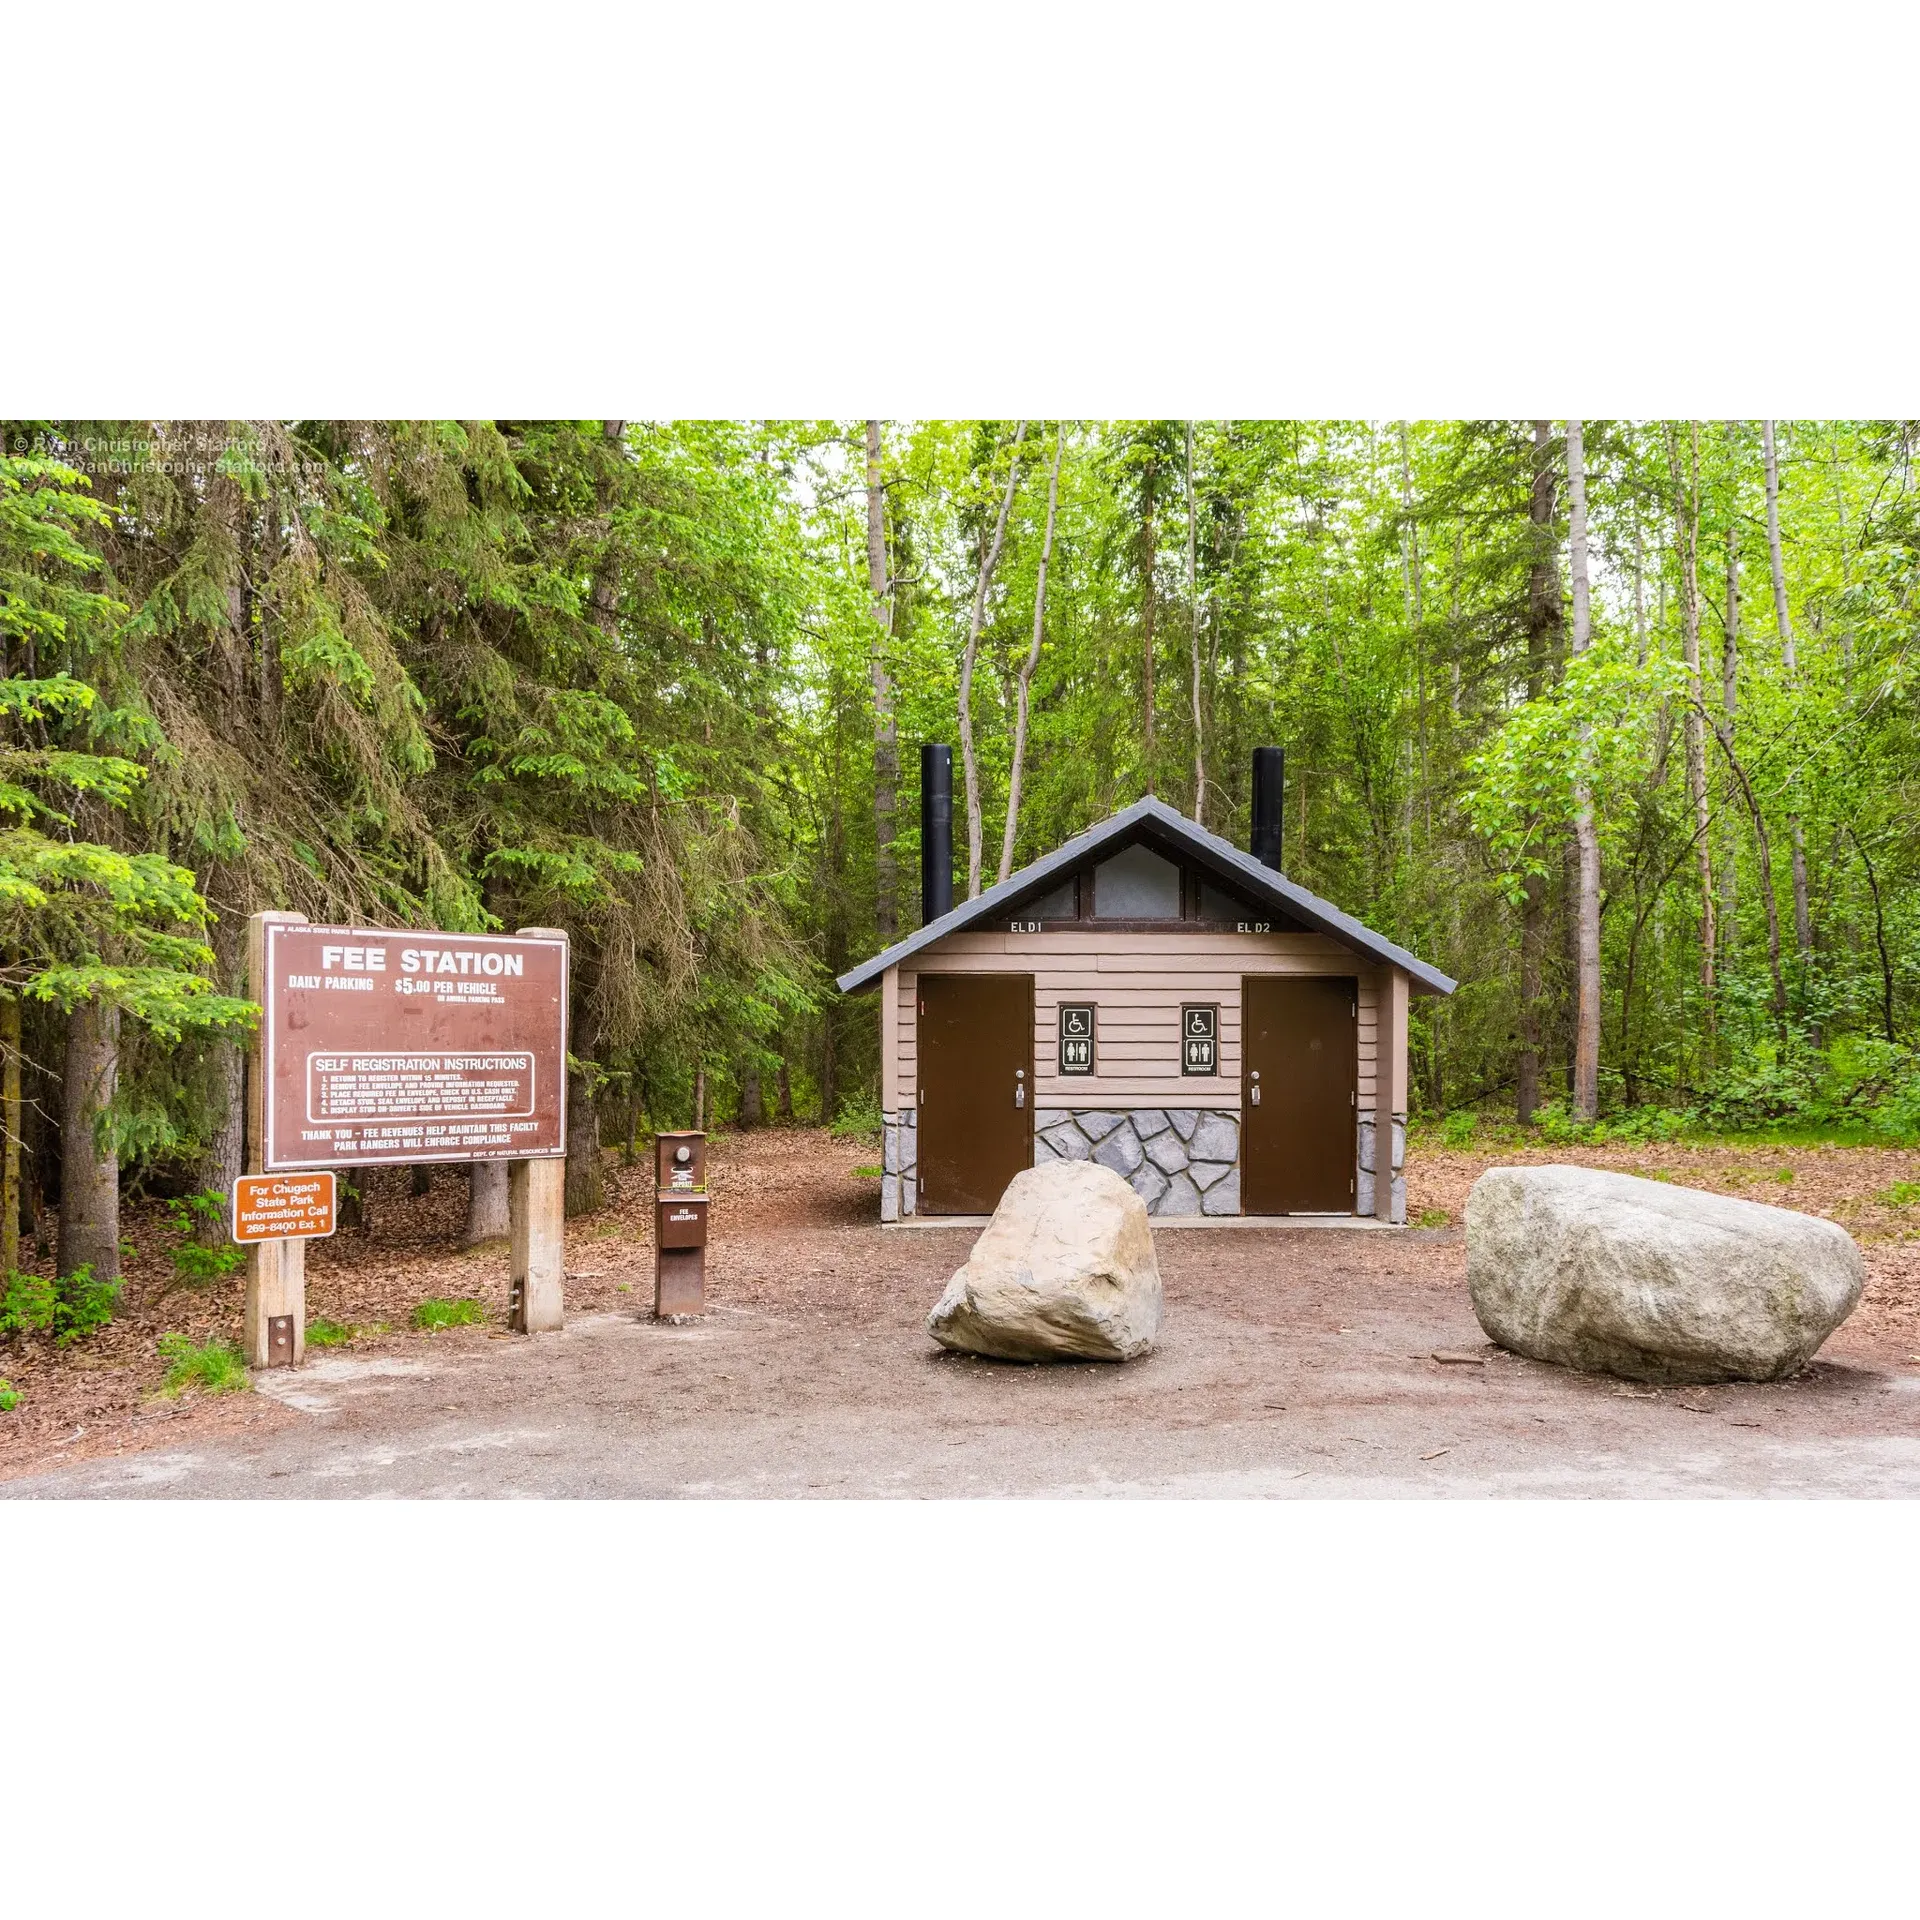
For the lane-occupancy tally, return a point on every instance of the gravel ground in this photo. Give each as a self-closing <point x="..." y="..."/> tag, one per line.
<point x="1296" y="1363"/>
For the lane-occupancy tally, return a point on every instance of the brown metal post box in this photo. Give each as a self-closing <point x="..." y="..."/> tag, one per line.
<point x="680" y="1220"/>
<point x="680" y="1163"/>
<point x="680" y="1226"/>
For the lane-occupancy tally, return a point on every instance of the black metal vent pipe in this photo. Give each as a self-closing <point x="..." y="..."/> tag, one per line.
<point x="936" y="832"/>
<point x="1269" y="805"/>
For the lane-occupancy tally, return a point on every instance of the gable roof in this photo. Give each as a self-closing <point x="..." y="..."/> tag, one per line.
<point x="1154" y="820"/>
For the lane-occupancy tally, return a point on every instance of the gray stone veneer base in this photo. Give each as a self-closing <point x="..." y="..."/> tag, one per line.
<point x="1182" y="1161"/>
<point x="899" y="1163"/>
<point x="1363" y="1184"/>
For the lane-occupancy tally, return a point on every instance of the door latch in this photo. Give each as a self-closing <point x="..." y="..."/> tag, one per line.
<point x="1253" y="1090"/>
<point x="1020" y="1086"/>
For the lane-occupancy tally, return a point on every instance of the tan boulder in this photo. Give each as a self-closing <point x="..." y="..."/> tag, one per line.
<point x="1064" y="1271"/>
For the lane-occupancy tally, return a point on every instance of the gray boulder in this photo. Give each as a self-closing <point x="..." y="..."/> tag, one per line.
<point x="1607" y="1273"/>
<point x="1064" y="1271"/>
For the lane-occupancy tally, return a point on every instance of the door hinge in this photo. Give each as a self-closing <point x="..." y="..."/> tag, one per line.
<point x="923" y="1096"/>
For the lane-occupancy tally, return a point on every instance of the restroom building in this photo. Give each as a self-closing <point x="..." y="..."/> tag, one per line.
<point x="1151" y="997"/>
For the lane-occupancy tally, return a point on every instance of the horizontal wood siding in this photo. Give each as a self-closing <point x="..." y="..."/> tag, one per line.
<point x="1138" y="981"/>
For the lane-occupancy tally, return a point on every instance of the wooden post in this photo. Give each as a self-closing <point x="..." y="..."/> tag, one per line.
<point x="536" y="1210"/>
<point x="276" y="1269"/>
<point x="1389" y="1082"/>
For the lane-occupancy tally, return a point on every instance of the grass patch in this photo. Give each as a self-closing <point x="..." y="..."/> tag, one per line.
<point x="218" y="1367"/>
<point x="323" y="1332"/>
<point x="9" y="1396"/>
<point x="1434" y="1217"/>
<point x="431" y="1315"/>
<point x="866" y="1173"/>
<point x="1903" y="1193"/>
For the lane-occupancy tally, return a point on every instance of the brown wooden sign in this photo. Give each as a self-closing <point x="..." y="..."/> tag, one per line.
<point x="283" y="1206"/>
<point x="386" y="1048"/>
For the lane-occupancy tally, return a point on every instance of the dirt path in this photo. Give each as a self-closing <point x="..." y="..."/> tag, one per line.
<point x="1294" y="1363"/>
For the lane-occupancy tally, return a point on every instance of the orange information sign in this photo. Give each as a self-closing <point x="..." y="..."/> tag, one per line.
<point x="282" y="1206"/>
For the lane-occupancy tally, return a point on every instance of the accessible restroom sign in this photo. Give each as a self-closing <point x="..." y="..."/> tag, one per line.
<point x="391" y="1048"/>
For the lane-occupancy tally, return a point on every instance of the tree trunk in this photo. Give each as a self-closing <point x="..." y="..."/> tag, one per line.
<point x="89" y="1161"/>
<point x="1686" y="509"/>
<point x="700" y="1099"/>
<point x="487" y="1213"/>
<point x="783" y="1091"/>
<point x="1765" y="853"/>
<point x="1193" y="638"/>
<point x="1533" y="946"/>
<point x="1149" y="543"/>
<point x="886" y="737"/>
<point x="1586" y="1034"/>
<point x="989" y="560"/>
<point x="1880" y="937"/>
<point x="1032" y="661"/>
<point x="10" y="1148"/>
<point x="1543" y="615"/>
<point x="1639" y="589"/>
<point x="751" y="1112"/>
<point x="605" y="596"/>
<point x="1790" y="659"/>
<point x="1729" y="710"/>
<point x="421" y="1183"/>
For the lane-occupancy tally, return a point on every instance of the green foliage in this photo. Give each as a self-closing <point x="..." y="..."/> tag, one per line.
<point x="190" y="1215"/>
<point x="26" y="1305"/>
<point x="9" y="1396"/>
<point x="82" y="1305"/>
<point x="216" y="1367"/>
<point x="322" y="1332"/>
<point x="868" y="1173"/>
<point x="431" y="1315"/>
<point x="1902" y="1193"/>
<point x="858" y="1118"/>
<point x="1434" y="1217"/>
<point x="1457" y="1130"/>
<point x="69" y="1308"/>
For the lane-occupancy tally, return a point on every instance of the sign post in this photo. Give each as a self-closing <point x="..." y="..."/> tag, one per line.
<point x="273" y="1327"/>
<point x="537" y="1215"/>
<point x="384" y="1048"/>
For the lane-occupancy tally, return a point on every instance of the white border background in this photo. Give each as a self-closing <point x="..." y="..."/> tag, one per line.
<point x="840" y="210"/>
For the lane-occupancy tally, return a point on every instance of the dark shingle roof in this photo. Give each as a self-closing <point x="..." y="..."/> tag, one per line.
<point x="1151" y="819"/>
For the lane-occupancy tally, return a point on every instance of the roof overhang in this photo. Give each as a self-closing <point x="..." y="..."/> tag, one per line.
<point x="1154" y="821"/>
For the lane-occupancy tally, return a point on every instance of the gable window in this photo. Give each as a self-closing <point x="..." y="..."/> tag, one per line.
<point x="1136" y="884"/>
<point x="1060" y="904"/>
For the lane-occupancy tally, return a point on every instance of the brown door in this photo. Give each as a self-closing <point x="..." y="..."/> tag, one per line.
<point x="976" y="1088"/>
<point x="1299" y="1074"/>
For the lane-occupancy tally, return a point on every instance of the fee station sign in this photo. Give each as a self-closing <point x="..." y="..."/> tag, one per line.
<point x="386" y="1048"/>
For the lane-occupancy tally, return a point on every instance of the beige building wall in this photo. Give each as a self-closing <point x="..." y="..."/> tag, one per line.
<point x="1138" y="982"/>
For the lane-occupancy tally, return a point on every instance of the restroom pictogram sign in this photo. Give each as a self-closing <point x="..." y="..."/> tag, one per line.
<point x="1200" y="1038"/>
<point x="1076" y="1038"/>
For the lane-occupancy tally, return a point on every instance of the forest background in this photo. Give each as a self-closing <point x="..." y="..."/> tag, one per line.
<point x="1611" y="720"/>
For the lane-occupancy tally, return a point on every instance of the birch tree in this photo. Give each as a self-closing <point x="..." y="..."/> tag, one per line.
<point x="1686" y="510"/>
<point x="1586" y="1045"/>
<point x="1024" y="690"/>
<point x="1790" y="660"/>
<point x="886" y="738"/>
<point x="989" y="561"/>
